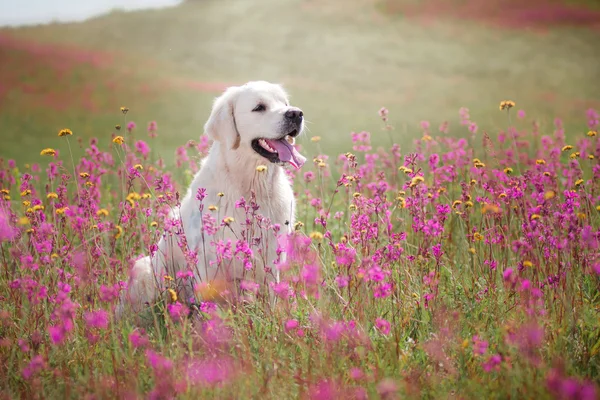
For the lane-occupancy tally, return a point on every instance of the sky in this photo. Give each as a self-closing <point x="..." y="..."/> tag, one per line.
<point x="30" y="12"/>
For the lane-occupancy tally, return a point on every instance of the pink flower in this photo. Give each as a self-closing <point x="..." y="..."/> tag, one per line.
<point x="177" y="311"/>
<point x="36" y="364"/>
<point x="383" y="326"/>
<point x="96" y="319"/>
<point x="291" y="325"/>
<point x="138" y="338"/>
<point x="473" y="127"/>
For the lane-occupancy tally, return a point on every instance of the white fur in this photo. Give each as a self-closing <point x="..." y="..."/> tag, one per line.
<point x="230" y="168"/>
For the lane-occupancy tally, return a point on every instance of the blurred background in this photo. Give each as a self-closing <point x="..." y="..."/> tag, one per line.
<point x="73" y="64"/>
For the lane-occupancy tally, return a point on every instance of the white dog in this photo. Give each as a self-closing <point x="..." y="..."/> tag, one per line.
<point x="252" y="126"/>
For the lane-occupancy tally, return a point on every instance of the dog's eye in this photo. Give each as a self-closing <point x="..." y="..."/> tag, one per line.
<point x="260" y="107"/>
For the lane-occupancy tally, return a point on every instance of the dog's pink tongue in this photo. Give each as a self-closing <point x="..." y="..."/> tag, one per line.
<point x="288" y="153"/>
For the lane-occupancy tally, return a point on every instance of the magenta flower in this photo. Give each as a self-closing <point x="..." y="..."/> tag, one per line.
<point x="291" y="324"/>
<point x="383" y="326"/>
<point x="96" y="319"/>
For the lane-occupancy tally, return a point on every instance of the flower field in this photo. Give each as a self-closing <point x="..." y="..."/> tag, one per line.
<point x="466" y="265"/>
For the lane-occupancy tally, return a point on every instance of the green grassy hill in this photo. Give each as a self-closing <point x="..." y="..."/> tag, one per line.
<point x="341" y="62"/>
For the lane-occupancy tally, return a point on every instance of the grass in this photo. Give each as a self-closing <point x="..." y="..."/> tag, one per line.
<point x="341" y="63"/>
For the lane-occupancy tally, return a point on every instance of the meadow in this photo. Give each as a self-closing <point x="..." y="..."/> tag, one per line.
<point x="443" y="271"/>
<point x="446" y="246"/>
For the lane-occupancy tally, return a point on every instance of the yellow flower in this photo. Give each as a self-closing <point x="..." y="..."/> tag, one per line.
<point x="591" y="157"/>
<point x="298" y="225"/>
<point x="352" y="207"/>
<point x="119" y="231"/>
<point x="52" y="195"/>
<point x="138" y="167"/>
<point x="315" y="138"/>
<point x="472" y="250"/>
<point x="38" y="207"/>
<point x="527" y="264"/>
<point x="356" y="195"/>
<point x="220" y="194"/>
<point x="427" y="138"/>
<point x="490" y="208"/>
<point x="402" y="201"/>
<point x="574" y="155"/>
<point x="547" y="173"/>
<point x="502" y="195"/>
<point x="261" y="168"/>
<point x="507" y="104"/>
<point x="172" y="295"/>
<point x="103" y="212"/>
<point x="4" y="191"/>
<point x="84" y="175"/>
<point x="567" y="147"/>
<point x="118" y="140"/>
<point x="465" y="343"/>
<point x="473" y="182"/>
<point x="508" y="171"/>
<point x="478" y="236"/>
<point x="26" y="203"/>
<point x="479" y="165"/>
<point x="124" y="110"/>
<point x="65" y="132"/>
<point x="468" y="204"/>
<point x="89" y="184"/>
<point x="23" y="221"/>
<point x="48" y="152"/>
<point x="154" y="224"/>
<point x="228" y="220"/>
<point x="540" y="161"/>
<point x="476" y="160"/>
<point x="134" y="196"/>
<point x="54" y="255"/>
<point x="597" y="208"/>
<point x="168" y="278"/>
<point x="549" y="195"/>
<point x="146" y="196"/>
<point x="416" y="180"/>
<point x="456" y="203"/>
<point x="592" y="133"/>
<point x="318" y="236"/>
<point x="581" y="216"/>
<point x="322" y="164"/>
<point x="6" y="197"/>
<point x="118" y="127"/>
<point x="213" y="208"/>
<point x="25" y="192"/>
<point x="535" y="216"/>
<point x="578" y="182"/>
<point x="61" y="211"/>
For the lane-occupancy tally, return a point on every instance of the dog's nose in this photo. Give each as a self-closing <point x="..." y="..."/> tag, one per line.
<point x="294" y="115"/>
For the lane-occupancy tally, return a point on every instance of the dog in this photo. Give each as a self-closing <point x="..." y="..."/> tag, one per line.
<point x="253" y="129"/>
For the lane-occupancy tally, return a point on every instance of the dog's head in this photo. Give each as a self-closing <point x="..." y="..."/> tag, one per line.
<point x="257" y="118"/>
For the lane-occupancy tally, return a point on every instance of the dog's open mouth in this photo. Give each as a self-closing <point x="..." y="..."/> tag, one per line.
<point x="279" y="151"/>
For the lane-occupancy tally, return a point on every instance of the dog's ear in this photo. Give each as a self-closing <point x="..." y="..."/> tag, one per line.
<point x="221" y="125"/>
